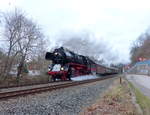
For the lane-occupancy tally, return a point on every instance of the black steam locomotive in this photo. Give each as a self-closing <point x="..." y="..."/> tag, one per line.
<point x="66" y="64"/>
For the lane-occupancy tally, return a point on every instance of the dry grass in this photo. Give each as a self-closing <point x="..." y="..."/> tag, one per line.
<point x="142" y="100"/>
<point x="116" y="101"/>
<point x="24" y="80"/>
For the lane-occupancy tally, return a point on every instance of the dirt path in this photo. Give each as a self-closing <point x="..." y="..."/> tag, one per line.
<point x="118" y="100"/>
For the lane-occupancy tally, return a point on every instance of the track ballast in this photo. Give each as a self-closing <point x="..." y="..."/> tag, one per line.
<point x="11" y="94"/>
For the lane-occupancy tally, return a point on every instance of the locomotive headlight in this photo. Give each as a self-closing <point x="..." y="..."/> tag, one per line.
<point x="55" y="53"/>
<point x="62" y="68"/>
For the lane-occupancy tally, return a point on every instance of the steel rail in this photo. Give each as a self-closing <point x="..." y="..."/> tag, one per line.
<point x="29" y="84"/>
<point x="6" y="95"/>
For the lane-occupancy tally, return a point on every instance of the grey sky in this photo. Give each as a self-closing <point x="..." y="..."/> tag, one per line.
<point x="117" y="22"/>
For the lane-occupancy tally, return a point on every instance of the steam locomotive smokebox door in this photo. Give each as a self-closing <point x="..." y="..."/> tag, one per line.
<point x="49" y="56"/>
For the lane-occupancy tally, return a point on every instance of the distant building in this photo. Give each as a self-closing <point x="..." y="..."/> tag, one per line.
<point x="142" y="67"/>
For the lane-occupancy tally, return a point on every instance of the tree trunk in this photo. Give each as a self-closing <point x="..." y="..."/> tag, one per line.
<point x="6" y="71"/>
<point x="20" y="68"/>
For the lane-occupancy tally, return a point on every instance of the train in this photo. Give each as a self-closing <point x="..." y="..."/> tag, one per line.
<point x="67" y="64"/>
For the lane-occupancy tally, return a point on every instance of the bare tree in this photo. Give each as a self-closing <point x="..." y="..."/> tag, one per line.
<point x="12" y="28"/>
<point x="22" y="36"/>
<point x="141" y="48"/>
<point x="30" y="34"/>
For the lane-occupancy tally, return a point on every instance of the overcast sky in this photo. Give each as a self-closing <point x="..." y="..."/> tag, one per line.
<point x="118" y="22"/>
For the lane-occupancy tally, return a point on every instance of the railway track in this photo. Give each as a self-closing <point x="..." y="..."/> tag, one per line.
<point x="29" y="84"/>
<point x="6" y="95"/>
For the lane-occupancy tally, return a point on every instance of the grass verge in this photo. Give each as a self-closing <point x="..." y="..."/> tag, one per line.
<point x="24" y="80"/>
<point x="141" y="99"/>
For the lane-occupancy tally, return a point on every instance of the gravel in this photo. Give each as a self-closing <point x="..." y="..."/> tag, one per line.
<point x="68" y="101"/>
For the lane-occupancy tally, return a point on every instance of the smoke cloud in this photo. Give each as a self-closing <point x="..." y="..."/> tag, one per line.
<point x="88" y="45"/>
